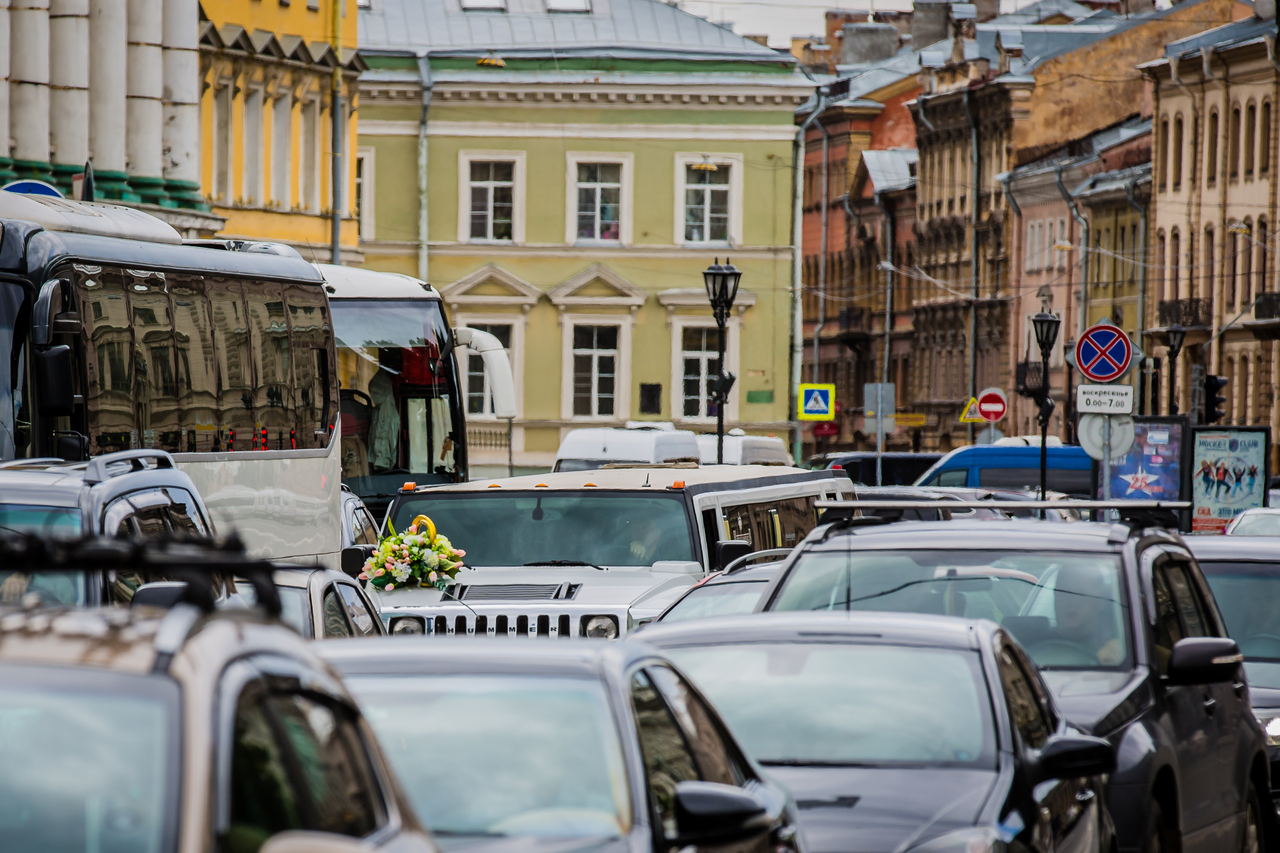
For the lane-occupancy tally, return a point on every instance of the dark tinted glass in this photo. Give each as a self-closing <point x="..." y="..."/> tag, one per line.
<point x="1024" y="705"/>
<point x="1246" y="594"/>
<point x="335" y="620"/>
<point x="667" y="759"/>
<point x="715" y="762"/>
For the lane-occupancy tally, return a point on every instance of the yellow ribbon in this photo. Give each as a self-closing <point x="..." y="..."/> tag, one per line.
<point x="428" y="525"/>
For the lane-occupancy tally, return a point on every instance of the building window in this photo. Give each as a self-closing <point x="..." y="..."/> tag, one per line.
<point x="1263" y="249"/>
<point x="595" y="367"/>
<point x="1208" y="262"/>
<point x="1246" y="269"/>
<point x="309" y="161"/>
<point x="698" y="350"/>
<point x="222" y="145"/>
<point x="599" y="201"/>
<point x="479" y="394"/>
<point x="363" y="203"/>
<point x="1250" y="133"/>
<point x="1063" y="237"/>
<point x="568" y="5"/>
<point x="1233" y="145"/>
<point x="1175" y="256"/>
<point x="706" y="203"/>
<point x="492" y="200"/>
<point x="1211" y="147"/>
<point x="1164" y="154"/>
<point x="499" y="5"/>
<point x="282" y="151"/>
<point x="251" y="189"/>
<point x="1031" y="246"/>
<point x="1264" y="140"/>
<point x="1177" y="153"/>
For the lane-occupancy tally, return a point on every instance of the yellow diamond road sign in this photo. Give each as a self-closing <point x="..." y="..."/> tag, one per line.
<point x="971" y="415"/>
<point x="817" y="402"/>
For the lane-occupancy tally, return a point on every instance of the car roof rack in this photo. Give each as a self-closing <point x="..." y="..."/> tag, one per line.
<point x="1137" y="514"/>
<point x="741" y="562"/>
<point x="34" y="462"/>
<point x="96" y="471"/>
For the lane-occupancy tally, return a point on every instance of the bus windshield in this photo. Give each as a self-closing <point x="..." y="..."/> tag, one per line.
<point x="401" y="416"/>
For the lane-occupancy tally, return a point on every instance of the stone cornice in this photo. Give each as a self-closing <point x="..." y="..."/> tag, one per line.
<point x="700" y="97"/>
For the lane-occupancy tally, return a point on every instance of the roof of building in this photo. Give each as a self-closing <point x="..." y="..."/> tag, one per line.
<point x="891" y="170"/>
<point x="1035" y="13"/>
<point x="1238" y="32"/>
<point x="640" y="29"/>
<point x="1113" y="182"/>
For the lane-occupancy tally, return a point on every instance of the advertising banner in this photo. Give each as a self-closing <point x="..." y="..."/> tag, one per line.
<point x="1229" y="474"/>
<point x="1155" y="468"/>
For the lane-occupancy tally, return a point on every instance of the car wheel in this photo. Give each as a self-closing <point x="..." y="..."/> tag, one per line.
<point x="1253" y="833"/>
<point x="1160" y="837"/>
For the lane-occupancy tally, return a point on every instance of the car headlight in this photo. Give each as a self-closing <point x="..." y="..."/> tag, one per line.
<point x="973" y="840"/>
<point x="605" y="627"/>
<point x="407" y="625"/>
<point x="1270" y="722"/>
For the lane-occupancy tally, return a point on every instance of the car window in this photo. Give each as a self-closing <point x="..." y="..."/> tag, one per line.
<point x="715" y="762"/>
<point x="1025" y="707"/>
<point x="364" y="531"/>
<point x="265" y="798"/>
<point x="721" y="599"/>
<point x="1168" y="630"/>
<point x="1195" y="619"/>
<point x="153" y="513"/>
<point x="356" y="611"/>
<point x="771" y="524"/>
<point x="954" y="478"/>
<point x="335" y="620"/>
<point x="667" y="759"/>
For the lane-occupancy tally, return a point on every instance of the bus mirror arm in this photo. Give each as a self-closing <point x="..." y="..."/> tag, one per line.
<point x="42" y="317"/>
<point x="496" y="367"/>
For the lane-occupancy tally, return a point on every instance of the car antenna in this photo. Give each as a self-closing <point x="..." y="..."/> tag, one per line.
<point x="445" y="592"/>
<point x="646" y="481"/>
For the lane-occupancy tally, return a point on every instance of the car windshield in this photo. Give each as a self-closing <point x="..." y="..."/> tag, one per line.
<point x="61" y="522"/>
<point x="1257" y="524"/>
<point x="1245" y="593"/>
<point x="834" y="703"/>
<point x="295" y="607"/>
<point x="516" y="528"/>
<point x="54" y="588"/>
<point x="722" y="599"/>
<point x="1068" y="609"/>
<point x="88" y="760"/>
<point x="544" y="751"/>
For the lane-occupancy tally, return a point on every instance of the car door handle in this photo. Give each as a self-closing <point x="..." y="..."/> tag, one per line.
<point x="1210" y="703"/>
<point x="1238" y="687"/>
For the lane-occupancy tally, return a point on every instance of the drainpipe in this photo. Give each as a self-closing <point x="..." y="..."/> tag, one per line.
<point x="1015" y="269"/>
<point x="797" y="225"/>
<point x="335" y="129"/>
<point x="1083" y="321"/>
<point x="973" y="253"/>
<point x="886" y="238"/>
<point x="1129" y="192"/>
<point x="424" y="74"/>
<point x="822" y="256"/>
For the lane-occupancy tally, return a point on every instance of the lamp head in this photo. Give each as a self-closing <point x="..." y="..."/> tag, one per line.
<point x="722" y="284"/>
<point x="1177" y="334"/>
<point x="1046" y="327"/>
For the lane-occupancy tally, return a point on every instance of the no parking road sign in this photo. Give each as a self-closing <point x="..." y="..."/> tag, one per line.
<point x="817" y="402"/>
<point x="1103" y="353"/>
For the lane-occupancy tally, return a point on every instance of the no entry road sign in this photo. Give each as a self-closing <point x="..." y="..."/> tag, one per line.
<point x="992" y="405"/>
<point x="1103" y="353"/>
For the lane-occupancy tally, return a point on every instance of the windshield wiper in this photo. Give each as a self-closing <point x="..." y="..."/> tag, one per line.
<point x="565" y="563"/>
<point x="814" y="762"/>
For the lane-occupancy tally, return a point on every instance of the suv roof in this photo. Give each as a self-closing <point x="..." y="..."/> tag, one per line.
<point x="1029" y="534"/>
<point x="694" y="479"/>
<point x="922" y="629"/>
<point x="400" y="656"/>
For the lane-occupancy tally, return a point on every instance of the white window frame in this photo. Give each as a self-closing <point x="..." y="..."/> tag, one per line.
<point x="223" y="144"/>
<point x="282" y="166"/>
<point x="1030" y="261"/>
<point x="484" y="5"/>
<point x="310" y="198"/>
<point x="1062" y="237"/>
<point x="367" y="155"/>
<point x="622" y="375"/>
<point x="626" y="197"/>
<point x="519" y="158"/>
<point x="518" y="323"/>
<point x="254" y="150"/>
<point x="733" y="332"/>
<point x="736" y="162"/>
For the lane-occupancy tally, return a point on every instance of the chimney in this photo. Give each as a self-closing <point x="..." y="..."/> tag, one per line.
<point x="930" y="22"/>
<point x="1264" y="9"/>
<point x="867" y="43"/>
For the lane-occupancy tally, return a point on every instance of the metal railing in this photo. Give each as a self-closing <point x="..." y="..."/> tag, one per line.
<point x="1185" y="312"/>
<point x="1029" y="378"/>
<point x="1267" y="307"/>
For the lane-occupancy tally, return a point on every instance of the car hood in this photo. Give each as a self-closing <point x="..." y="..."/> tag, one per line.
<point x="1085" y="697"/>
<point x="875" y="809"/>
<point x="526" y="844"/>
<point x="612" y="587"/>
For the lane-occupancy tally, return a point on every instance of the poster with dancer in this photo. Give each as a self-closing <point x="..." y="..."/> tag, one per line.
<point x="1155" y="468"/>
<point x="1230" y="474"/>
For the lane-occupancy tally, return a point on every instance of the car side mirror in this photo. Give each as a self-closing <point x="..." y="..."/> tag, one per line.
<point x="354" y="557"/>
<point x="1073" y="756"/>
<point x="727" y="552"/>
<point x="162" y="594"/>
<point x="1203" y="660"/>
<point x="710" y="813"/>
<point x="53" y="381"/>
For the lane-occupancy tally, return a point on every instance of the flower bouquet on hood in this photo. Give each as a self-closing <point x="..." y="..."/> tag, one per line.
<point x="418" y="557"/>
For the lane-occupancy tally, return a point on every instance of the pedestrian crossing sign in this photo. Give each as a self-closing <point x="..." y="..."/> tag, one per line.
<point x="971" y="415"/>
<point x="817" y="402"/>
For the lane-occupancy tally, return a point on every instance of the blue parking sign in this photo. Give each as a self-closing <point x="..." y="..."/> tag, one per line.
<point x="817" y="402"/>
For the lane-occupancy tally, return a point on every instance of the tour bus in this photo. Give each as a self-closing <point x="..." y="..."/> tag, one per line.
<point x="119" y="336"/>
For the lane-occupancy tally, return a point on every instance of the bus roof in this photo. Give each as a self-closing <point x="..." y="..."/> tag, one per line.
<point x="87" y="217"/>
<point x="695" y="479"/>
<point x="358" y="283"/>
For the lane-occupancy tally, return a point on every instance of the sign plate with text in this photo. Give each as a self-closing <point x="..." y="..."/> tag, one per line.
<point x="1104" y="399"/>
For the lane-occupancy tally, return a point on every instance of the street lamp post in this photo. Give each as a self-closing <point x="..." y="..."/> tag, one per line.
<point x="1046" y="328"/>
<point x="722" y="288"/>
<point x="1177" y="335"/>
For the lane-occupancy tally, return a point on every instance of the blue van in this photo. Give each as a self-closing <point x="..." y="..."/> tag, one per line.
<point x="1012" y="467"/>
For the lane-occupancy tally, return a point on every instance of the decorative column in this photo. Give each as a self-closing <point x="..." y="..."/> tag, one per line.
<point x="68" y="89"/>
<point x="108" y="58"/>
<point x="143" y="158"/>
<point x="29" y="88"/>
<point x="6" y="164"/>
<point x="181" y="134"/>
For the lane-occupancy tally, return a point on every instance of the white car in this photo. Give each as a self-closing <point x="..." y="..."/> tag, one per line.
<point x="1263" y="521"/>
<point x="743" y="449"/>
<point x="639" y="443"/>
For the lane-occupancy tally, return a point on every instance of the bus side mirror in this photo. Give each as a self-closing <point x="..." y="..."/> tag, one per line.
<point x="54" y="390"/>
<point x="496" y="367"/>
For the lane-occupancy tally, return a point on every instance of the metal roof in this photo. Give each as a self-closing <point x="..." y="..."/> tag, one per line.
<point x="1237" y="32"/>
<point x="615" y="28"/>
<point x="1113" y="182"/>
<point x="1034" y="13"/>
<point x="891" y="169"/>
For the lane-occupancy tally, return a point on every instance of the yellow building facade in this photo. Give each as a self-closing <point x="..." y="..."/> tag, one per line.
<point x="267" y="92"/>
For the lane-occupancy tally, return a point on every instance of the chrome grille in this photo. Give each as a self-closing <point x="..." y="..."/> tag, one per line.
<point x="510" y="592"/>
<point x="561" y="625"/>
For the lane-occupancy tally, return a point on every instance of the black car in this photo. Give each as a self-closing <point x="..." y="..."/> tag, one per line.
<point x="534" y="745"/>
<point x="1244" y="574"/>
<point x="1122" y="625"/>
<point x="901" y="732"/>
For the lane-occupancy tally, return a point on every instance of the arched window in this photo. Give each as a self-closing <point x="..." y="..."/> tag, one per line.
<point x="1175" y="249"/>
<point x="1163" y="168"/>
<point x="1250" y="131"/>
<point x="1160" y="260"/>
<point x="1208" y="259"/>
<point x="1177" y="153"/>
<point x="1233" y="145"/>
<point x="1246" y="266"/>
<point x="1263" y="249"/>
<point x="1230" y="264"/>
<point x="1211" y="149"/>
<point x="1264" y="140"/>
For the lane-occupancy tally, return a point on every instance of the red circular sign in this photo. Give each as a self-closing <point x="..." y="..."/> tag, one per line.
<point x="992" y="405"/>
<point x="1103" y="353"/>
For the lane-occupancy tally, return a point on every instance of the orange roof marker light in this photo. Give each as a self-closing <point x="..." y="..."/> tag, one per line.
<point x="678" y="484"/>
<point x="495" y="485"/>
<point x="588" y="485"/>
<point x="541" y="486"/>
<point x="408" y="487"/>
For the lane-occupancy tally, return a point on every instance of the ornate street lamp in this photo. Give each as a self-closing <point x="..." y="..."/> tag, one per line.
<point x="722" y="288"/>
<point x="1177" y="334"/>
<point x="1046" y="327"/>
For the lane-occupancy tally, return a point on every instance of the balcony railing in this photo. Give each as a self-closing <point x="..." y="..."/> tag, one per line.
<point x="853" y="320"/>
<point x="1185" y="312"/>
<point x="1029" y="378"/>
<point x="1268" y="307"/>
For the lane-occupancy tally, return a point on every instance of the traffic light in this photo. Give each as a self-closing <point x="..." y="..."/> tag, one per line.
<point x="1214" y="398"/>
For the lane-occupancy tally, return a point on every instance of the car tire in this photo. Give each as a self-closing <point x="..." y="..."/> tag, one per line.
<point x="1160" y="837"/>
<point x="1254" y="837"/>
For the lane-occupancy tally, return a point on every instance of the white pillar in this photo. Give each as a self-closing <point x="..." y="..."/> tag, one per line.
<point x="143" y="159"/>
<point x="69" y="88"/>
<point x="6" y="171"/>
<point x="181" y="134"/>
<point x="29" y="87"/>
<point x="108" y="56"/>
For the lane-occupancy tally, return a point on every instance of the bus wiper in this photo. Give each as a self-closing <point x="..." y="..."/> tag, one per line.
<point x="565" y="563"/>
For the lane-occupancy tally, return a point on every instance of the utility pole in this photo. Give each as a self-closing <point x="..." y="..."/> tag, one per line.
<point x="335" y="116"/>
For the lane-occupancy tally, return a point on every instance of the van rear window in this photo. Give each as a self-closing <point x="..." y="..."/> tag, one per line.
<point x="1070" y="481"/>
